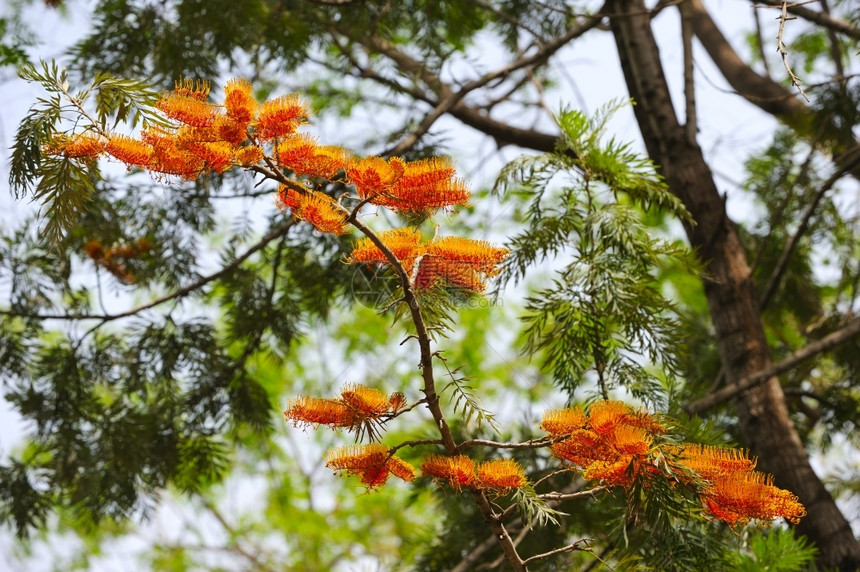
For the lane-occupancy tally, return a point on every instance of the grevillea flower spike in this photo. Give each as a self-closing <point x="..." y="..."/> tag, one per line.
<point x="371" y="463"/>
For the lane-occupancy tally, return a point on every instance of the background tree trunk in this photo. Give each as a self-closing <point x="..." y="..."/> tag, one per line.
<point x="763" y="415"/>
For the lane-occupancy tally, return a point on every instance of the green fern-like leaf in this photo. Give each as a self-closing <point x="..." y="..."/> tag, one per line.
<point x="533" y="509"/>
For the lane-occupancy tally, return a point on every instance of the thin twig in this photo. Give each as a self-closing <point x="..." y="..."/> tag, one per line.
<point x="821" y="18"/>
<point x="531" y="444"/>
<point x="780" y="46"/>
<point x="561" y="550"/>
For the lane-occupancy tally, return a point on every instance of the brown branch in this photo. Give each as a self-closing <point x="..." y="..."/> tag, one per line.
<point x="762" y="91"/>
<point x="835" y="49"/>
<point x="690" y="121"/>
<point x="560" y="550"/>
<point x="558" y="497"/>
<point x="447" y="100"/>
<point x="553" y="499"/>
<point x="760" y="42"/>
<point x="840" y="336"/>
<point x="821" y="18"/>
<point x="233" y="534"/>
<point x="758" y="90"/>
<point x="431" y="397"/>
<point x="471" y="559"/>
<point x="531" y="444"/>
<point x="783" y="52"/>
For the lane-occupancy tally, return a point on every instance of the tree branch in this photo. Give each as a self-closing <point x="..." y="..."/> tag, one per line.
<point x="828" y="342"/>
<point x="690" y="121"/>
<point x="450" y="101"/>
<point x="783" y="52"/>
<point x="821" y="18"/>
<point x="531" y="444"/>
<point x="560" y="550"/>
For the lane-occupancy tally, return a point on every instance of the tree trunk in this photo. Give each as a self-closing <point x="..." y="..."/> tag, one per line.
<point x="763" y="415"/>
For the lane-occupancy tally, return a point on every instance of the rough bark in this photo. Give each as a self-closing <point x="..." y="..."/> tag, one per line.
<point x="762" y="412"/>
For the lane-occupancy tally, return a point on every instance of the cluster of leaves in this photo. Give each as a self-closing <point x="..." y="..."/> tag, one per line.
<point x="604" y="311"/>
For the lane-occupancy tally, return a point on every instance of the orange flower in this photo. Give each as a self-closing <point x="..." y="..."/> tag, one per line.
<point x="301" y="154"/>
<point x="373" y="176"/>
<point x="604" y="416"/>
<point x="396" y="402"/>
<point x="187" y="110"/>
<point x="459" y="471"/>
<point x="248" y="156"/>
<point x="198" y="90"/>
<point x="218" y="155"/>
<point x="239" y="101"/>
<point x="563" y="421"/>
<point x="582" y="448"/>
<point x="480" y="255"/>
<point x="630" y="440"/>
<point x="748" y="496"/>
<point x="401" y="469"/>
<point x="619" y="471"/>
<point x="130" y="151"/>
<point x="371" y="463"/>
<point x="438" y="272"/>
<point x="281" y="116"/>
<point x="500" y="474"/>
<point x="76" y="146"/>
<point x="715" y="462"/>
<point x="317" y="411"/>
<point x="405" y="243"/>
<point x="365" y="400"/>
<point x="170" y="158"/>
<point x="288" y="197"/>
<point x="425" y="185"/>
<point x="458" y="262"/>
<point x="317" y="208"/>
<point x="229" y="129"/>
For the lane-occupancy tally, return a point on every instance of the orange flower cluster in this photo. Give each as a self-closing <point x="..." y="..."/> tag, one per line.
<point x="371" y="463"/>
<point x="617" y="444"/>
<point x="115" y="259"/>
<point x="317" y="208"/>
<point x="611" y="443"/>
<point x="450" y="261"/>
<point x="357" y="404"/>
<point x="498" y="475"/>
<point x="301" y="154"/>
<point x="423" y="185"/>
<point x="733" y="491"/>
<point x="204" y="136"/>
<point x="76" y="146"/>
